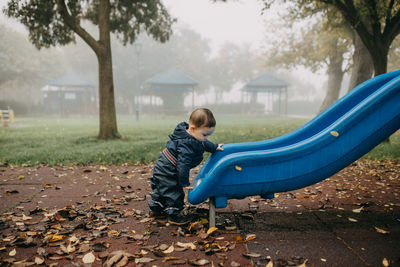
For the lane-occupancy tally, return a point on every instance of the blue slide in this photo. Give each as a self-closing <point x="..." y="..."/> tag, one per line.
<point x="339" y="135"/>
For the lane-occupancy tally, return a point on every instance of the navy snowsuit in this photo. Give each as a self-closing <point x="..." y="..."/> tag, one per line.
<point x="171" y="170"/>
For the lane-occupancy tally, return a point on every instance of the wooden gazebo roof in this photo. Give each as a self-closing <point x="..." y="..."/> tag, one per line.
<point x="265" y="83"/>
<point x="70" y="79"/>
<point x="172" y="80"/>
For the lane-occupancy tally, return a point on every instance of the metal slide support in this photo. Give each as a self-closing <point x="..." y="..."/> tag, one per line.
<point x="211" y="212"/>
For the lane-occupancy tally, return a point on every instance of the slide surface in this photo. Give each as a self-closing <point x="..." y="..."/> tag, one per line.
<point x="339" y="135"/>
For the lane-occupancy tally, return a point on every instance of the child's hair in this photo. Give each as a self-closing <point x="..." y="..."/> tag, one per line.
<point x="202" y="117"/>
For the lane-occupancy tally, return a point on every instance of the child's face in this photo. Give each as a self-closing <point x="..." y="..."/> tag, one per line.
<point x="201" y="133"/>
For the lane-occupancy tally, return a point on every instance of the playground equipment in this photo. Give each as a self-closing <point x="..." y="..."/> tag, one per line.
<point x="6" y="117"/>
<point x="341" y="134"/>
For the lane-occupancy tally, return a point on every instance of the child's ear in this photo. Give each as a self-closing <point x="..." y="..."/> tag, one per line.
<point x="192" y="127"/>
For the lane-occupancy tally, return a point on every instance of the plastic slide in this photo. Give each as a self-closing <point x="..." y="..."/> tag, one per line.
<point x="335" y="138"/>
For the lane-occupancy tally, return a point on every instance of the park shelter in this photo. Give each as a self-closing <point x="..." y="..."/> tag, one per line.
<point x="70" y="93"/>
<point x="275" y="89"/>
<point x="171" y="86"/>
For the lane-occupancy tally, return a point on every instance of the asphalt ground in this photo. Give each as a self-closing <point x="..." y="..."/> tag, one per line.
<point x="64" y="215"/>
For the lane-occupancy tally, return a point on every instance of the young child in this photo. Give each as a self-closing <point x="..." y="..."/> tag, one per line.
<point x="171" y="171"/>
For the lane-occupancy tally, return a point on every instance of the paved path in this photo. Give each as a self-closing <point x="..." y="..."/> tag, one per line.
<point x="333" y="223"/>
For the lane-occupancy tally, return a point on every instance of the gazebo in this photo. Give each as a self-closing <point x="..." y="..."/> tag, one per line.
<point x="171" y="86"/>
<point x="274" y="88"/>
<point x="69" y="94"/>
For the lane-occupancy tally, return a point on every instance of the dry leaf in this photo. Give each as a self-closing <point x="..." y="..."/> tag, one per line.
<point x="124" y="261"/>
<point x="251" y="255"/>
<point x="199" y="262"/>
<point x="186" y="245"/>
<point x="25" y="218"/>
<point x="250" y="237"/>
<point x="270" y="263"/>
<point x="55" y="238"/>
<point x="39" y="261"/>
<point x="352" y="219"/>
<point x="303" y="264"/>
<point x="385" y="262"/>
<point x="211" y="230"/>
<point x="358" y="210"/>
<point x="334" y="133"/>
<point x="12" y="253"/>
<point x="169" y="250"/>
<point x="238" y="168"/>
<point x="170" y="259"/>
<point x="235" y="264"/>
<point x="145" y="260"/>
<point x="88" y="258"/>
<point x="197" y="224"/>
<point x="381" y="231"/>
<point x="163" y="247"/>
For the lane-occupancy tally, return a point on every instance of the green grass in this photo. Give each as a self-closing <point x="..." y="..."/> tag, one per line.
<point x="72" y="141"/>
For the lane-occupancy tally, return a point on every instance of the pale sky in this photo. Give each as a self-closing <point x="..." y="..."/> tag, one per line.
<point x="237" y="21"/>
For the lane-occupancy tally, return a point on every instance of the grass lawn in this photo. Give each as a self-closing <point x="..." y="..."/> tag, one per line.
<point x="69" y="141"/>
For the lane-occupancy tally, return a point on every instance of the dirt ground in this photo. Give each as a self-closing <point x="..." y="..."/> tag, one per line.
<point x="97" y="215"/>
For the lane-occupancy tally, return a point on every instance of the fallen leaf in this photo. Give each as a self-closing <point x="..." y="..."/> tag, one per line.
<point x="197" y="224"/>
<point x="12" y="253"/>
<point x="170" y="259"/>
<point x="303" y="264"/>
<point x="88" y="258"/>
<point x="186" y="245"/>
<point x="334" y="133"/>
<point x="235" y="264"/>
<point x="169" y="250"/>
<point x="25" y="218"/>
<point x="381" y="231"/>
<point x="199" y="262"/>
<point x="270" y="263"/>
<point x="163" y="247"/>
<point x="352" y="219"/>
<point x="55" y="238"/>
<point x="385" y="262"/>
<point x="251" y="255"/>
<point x="358" y="210"/>
<point x="145" y="260"/>
<point x="211" y="230"/>
<point x="39" y="261"/>
<point x="249" y="237"/>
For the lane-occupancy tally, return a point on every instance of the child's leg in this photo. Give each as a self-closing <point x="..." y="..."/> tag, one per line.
<point x="174" y="200"/>
<point x="156" y="203"/>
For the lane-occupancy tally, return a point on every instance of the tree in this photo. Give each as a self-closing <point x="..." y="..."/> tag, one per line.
<point x="324" y="43"/>
<point x="56" y="22"/>
<point x="363" y="67"/>
<point x="23" y="68"/>
<point x="377" y="23"/>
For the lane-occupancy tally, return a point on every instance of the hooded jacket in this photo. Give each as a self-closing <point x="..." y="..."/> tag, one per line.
<point x="187" y="150"/>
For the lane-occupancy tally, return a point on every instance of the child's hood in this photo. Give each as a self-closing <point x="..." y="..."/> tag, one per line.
<point x="180" y="131"/>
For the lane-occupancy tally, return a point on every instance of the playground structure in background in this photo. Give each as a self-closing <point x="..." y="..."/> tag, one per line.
<point x="6" y="117"/>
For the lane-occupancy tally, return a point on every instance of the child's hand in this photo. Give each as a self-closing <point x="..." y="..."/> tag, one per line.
<point x="188" y="187"/>
<point x="220" y="147"/>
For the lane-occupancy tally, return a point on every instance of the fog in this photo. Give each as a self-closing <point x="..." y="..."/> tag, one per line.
<point x="220" y="59"/>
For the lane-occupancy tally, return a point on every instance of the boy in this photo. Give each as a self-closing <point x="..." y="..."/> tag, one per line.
<point x="171" y="171"/>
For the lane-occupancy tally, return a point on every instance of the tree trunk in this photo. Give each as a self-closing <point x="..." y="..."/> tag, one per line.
<point x="380" y="62"/>
<point x="335" y="77"/>
<point x="108" y="118"/>
<point x="363" y="66"/>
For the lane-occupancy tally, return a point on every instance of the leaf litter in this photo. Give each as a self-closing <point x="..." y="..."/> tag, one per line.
<point x="74" y="231"/>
